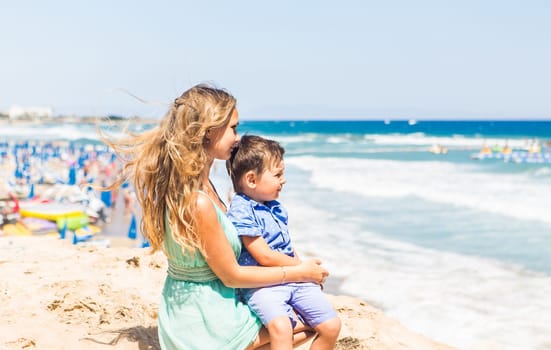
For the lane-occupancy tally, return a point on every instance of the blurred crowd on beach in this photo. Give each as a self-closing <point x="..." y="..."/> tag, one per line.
<point x="45" y="182"/>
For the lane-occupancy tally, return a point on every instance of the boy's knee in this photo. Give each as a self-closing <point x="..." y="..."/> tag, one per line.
<point x="280" y="326"/>
<point x="330" y="328"/>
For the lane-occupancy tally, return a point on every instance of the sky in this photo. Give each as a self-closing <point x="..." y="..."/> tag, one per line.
<point x="286" y="59"/>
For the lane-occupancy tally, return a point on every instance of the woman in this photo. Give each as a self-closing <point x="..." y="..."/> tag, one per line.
<point x="184" y="216"/>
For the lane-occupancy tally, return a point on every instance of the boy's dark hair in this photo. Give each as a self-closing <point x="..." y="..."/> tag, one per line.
<point x="252" y="153"/>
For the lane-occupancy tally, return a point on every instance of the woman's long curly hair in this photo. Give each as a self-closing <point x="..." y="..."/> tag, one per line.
<point x="165" y="164"/>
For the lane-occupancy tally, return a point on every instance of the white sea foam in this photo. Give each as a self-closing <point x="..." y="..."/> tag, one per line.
<point x="287" y="139"/>
<point x="543" y="172"/>
<point x="467" y="302"/>
<point x="457" y="299"/>
<point x="457" y="141"/>
<point x="514" y="195"/>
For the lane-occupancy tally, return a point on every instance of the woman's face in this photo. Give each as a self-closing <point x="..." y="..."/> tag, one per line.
<point x="223" y="140"/>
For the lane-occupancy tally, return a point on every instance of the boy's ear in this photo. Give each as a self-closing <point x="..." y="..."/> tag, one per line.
<point x="250" y="179"/>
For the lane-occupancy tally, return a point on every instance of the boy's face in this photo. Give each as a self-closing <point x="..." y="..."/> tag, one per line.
<point x="269" y="183"/>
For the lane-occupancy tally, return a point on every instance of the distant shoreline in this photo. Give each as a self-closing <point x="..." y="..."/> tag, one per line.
<point x="76" y="120"/>
<point x="73" y="119"/>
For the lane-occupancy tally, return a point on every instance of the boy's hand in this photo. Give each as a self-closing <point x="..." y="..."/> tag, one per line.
<point x="316" y="271"/>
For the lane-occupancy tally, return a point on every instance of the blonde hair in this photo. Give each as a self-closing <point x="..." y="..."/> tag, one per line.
<point x="165" y="164"/>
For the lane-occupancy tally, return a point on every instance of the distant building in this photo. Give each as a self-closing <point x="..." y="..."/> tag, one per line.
<point x="18" y="112"/>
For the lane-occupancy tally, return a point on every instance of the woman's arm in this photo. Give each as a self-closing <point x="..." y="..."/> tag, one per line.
<point x="222" y="261"/>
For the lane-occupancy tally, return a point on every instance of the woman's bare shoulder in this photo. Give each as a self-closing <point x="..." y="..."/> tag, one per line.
<point x="204" y="205"/>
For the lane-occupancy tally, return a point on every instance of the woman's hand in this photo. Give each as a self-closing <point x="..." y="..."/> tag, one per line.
<point x="313" y="271"/>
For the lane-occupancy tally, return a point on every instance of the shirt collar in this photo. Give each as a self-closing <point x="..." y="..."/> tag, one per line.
<point x="269" y="204"/>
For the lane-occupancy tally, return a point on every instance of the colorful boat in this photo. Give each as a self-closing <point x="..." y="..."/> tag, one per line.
<point x="39" y="226"/>
<point x="51" y="211"/>
<point x="73" y="222"/>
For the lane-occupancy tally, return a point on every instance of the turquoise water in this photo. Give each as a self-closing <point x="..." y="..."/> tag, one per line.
<point x="455" y="248"/>
<point x="497" y="128"/>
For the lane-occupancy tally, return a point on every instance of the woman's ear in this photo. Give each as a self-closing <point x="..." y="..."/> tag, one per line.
<point x="250" y="179"/>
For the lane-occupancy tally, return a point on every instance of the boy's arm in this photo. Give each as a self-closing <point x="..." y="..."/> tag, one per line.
<point x="264" y="255"/>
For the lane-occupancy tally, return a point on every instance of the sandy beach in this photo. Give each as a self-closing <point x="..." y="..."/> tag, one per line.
<point x="56" y="295"/>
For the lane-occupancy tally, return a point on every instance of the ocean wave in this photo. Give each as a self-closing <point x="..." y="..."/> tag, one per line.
<point x="434" y="292"/>
<point x="421" y="139"/>
<point x="513" y="195"/>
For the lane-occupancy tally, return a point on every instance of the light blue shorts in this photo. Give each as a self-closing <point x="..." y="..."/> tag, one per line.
<point x="306" y="299"/>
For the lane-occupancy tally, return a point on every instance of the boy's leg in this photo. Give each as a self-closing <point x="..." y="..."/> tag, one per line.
<point x="301" y="335"/>
<point x="310" y="303"/>
<point x="271" y="306"/>
<point x="281" y="333"/>
<point x="328" y="332"/>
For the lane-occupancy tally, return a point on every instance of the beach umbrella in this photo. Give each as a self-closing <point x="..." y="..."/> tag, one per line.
<point x="17" y="173"/>
<point x="72" y="175"/>
<point x="133" y="230"/>
<point x="63" y="231"/>
<point x="31" y="191"/>
<point x="145" y="243"/>
<point x="106" y="198"/>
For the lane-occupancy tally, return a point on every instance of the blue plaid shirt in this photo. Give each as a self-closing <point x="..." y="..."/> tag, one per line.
<point x="268" y="220"/>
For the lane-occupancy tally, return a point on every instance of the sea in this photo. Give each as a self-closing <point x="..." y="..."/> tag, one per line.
<point x="454" y="246"/>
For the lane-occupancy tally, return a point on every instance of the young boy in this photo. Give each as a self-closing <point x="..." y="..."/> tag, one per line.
<point x="257" y="171"/>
